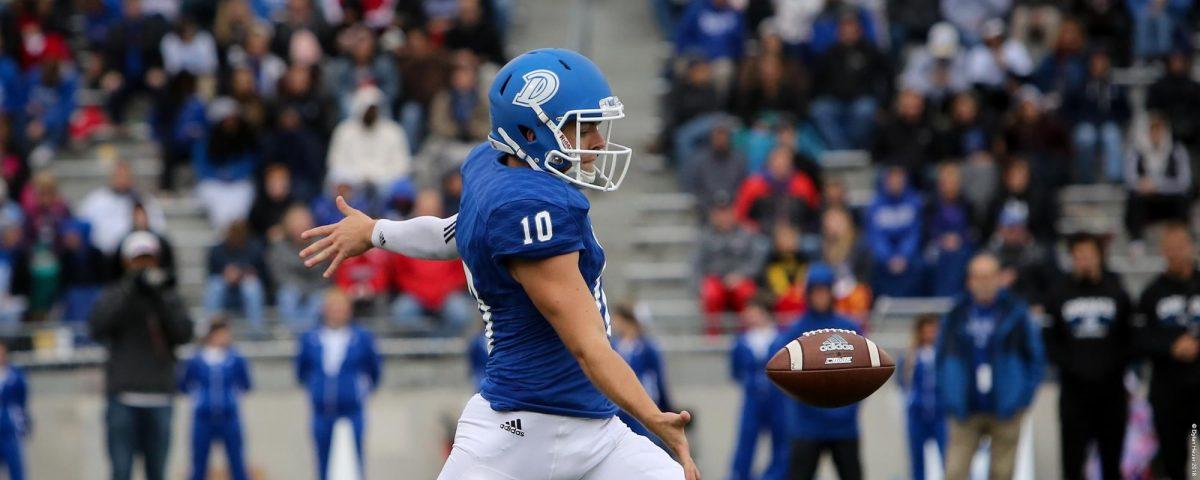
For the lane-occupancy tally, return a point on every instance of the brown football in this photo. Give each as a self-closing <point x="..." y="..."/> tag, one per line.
<point x="830" y="367"/>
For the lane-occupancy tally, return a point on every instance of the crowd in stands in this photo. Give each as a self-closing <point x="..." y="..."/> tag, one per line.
<point x="974" y="113"/>
<point x="274" y="107"/>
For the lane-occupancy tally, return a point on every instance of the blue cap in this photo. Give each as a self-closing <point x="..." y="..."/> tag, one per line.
<point x="819" y="274"/>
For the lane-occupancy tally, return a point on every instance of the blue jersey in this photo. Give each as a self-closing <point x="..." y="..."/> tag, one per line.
<point x="510" y="213"/>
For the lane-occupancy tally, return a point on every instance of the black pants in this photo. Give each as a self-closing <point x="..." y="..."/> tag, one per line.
<point x="1141" y="210"/>
<point x="806" y="454"/>
<point x="1175" y="411"/>
<point x="1093" y="414"/>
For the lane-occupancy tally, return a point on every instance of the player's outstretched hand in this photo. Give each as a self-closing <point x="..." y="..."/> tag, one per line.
<point x="670" y="428"/>
<point x="349" y="237"/>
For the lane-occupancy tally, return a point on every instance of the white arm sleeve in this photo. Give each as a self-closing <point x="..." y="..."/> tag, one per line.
<point x="427" y="238"/>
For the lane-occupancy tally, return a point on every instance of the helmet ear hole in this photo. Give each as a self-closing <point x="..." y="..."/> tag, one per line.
<point x="528" y="133"/>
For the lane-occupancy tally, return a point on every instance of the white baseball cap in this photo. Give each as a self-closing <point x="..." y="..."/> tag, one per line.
<point x="138" y="244"/>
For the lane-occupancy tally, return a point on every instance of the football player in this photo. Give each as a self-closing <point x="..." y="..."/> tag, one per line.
<point x="553" y="383"/>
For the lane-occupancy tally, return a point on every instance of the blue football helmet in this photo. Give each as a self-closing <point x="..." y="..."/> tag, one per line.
<point x="539" y="92"/>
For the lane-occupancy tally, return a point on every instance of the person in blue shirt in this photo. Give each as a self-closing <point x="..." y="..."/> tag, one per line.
<point x="989" y="362"/>
<point x="535" y="266"/>
<point x="215" y="378"/>
<point x="918" y="381"/>
<point x="894" y="235"/>
<point x="14" y="416"/>
<point x="645" y="358"/>
<point x="815" y="430"/>
<point x="748" y="363"/>
<point x="339" y="366"/>
<point x="714" y="29"/>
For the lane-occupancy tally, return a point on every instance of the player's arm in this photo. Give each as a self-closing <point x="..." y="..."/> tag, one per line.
<point x="559" y="292"/>
<point x="428" y="238"/>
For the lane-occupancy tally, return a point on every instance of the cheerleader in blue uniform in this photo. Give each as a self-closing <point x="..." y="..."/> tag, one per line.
<point x="215" y="378"/>
<point x="14" y="418"/>
<point x="643" y="356"/>
<point x="925" y="419"/>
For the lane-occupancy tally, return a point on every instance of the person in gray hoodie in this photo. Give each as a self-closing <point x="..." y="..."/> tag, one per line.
<point x="1158" y="176"/>
<point x="730" y="258"/>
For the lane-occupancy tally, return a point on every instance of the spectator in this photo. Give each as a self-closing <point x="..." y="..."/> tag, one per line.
<point x="362" y="68"/>
<point x="1158" y="175"/>
<point x="1166" y="333"/>
<point x="1064" y="69"/>
<point x="255" y="55"/>
<point x="14" y="275"/>
<point x="998" y="60"/>
<point x="339" y="366"/>
<point x="918" y="382"/>
<point x="948" y="231"/>
<point x="1018" y="193"/>
<point x="908" y="20"/>
<point x="83" y="271"/>
<point x="816" y="430"/>
<point x="189" y="49"/>
<point x="716" y="172"/>
<point x="298" y="150"/>
<point x="299" y="288"/>
<point x="638" y="348"/>
<point x="1089" y="339"/>
<point x="225" y="164"/>
<point x="730" y="258"/>
<point x="471" y="31"/>
<point x="368" y="148"/>
<point x="272" y="203"/>
<point x="425" y="69"/>
<point x="45" y="209"/>
<point x="850" y="258"/>
<point x="1156" y="25"/>
<point x="236" y="270"/>
<point x="783" y="274"/>
<point x="780" y="194"/>
<point x="133" y="58"/>
<point x="767" y="85"/>
<point x="970" y="16"/>
<point x="850" y="81"/>
<point x="298" y="91"/>
<point x="460" y="113"/>
<point x="232" y="23"/>
<point x="760" y="411"/>
<point x="1099" y="112"/>
<point x="715" y="30"/>
<point x="1108" y="26"/>
<point x="835" y="197"/>
<point x="49" y="101"/>
<point x="692" y="95"/>
<point x="825" y="26"/>
<point x="968" y="134"/>
<point x="298" y="23"/>
<point x="893" y="230"/>
<point x="15" y="423"/>
<point x="141" y="320"/>
<point x="939" y="70"/>
<point x="906" y="137"/>
<point x="989" y="364"/>
<point x="243" y="89"/>
<point x="1027" y="267"/>
<point x="1033" y="132"/>
<point x="1177" y="96"/>
<point x="166" y="252"/>
<point x="216" y="377"/>
<point x="109" y="209"/>
<point x="431" y="288"/>
<point x="179" y="124"/>
<point x="366" y="279"/>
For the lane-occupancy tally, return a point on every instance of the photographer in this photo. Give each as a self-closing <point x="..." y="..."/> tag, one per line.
<point x="140" y="319"/>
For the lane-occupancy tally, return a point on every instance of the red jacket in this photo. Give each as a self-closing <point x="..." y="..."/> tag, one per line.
<point x="757" y="186"/>
<point x="364" y="276"/>
<point x="430" y="281"/>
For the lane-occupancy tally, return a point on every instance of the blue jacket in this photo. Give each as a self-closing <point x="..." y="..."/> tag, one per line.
<point x="215" y="388"/>
<point x="644" y="357"/>
<point x="1017" y="357"/>
<point x="345" y="392"/>
<point x="814" y="423"/>
<point x="710" y="31"/>
<point x="894" y="225"/>
<point x="14" y="417"/>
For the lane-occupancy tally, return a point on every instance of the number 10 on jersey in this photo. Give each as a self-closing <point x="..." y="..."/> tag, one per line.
<point x="541" y="223"/>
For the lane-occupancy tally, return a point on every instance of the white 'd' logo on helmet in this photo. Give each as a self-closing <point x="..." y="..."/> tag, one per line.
<point x="540" y="87"/>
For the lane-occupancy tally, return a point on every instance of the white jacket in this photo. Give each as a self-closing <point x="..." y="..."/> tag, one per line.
<point x="378" y="155"/>
<point x="111" y="216"/>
